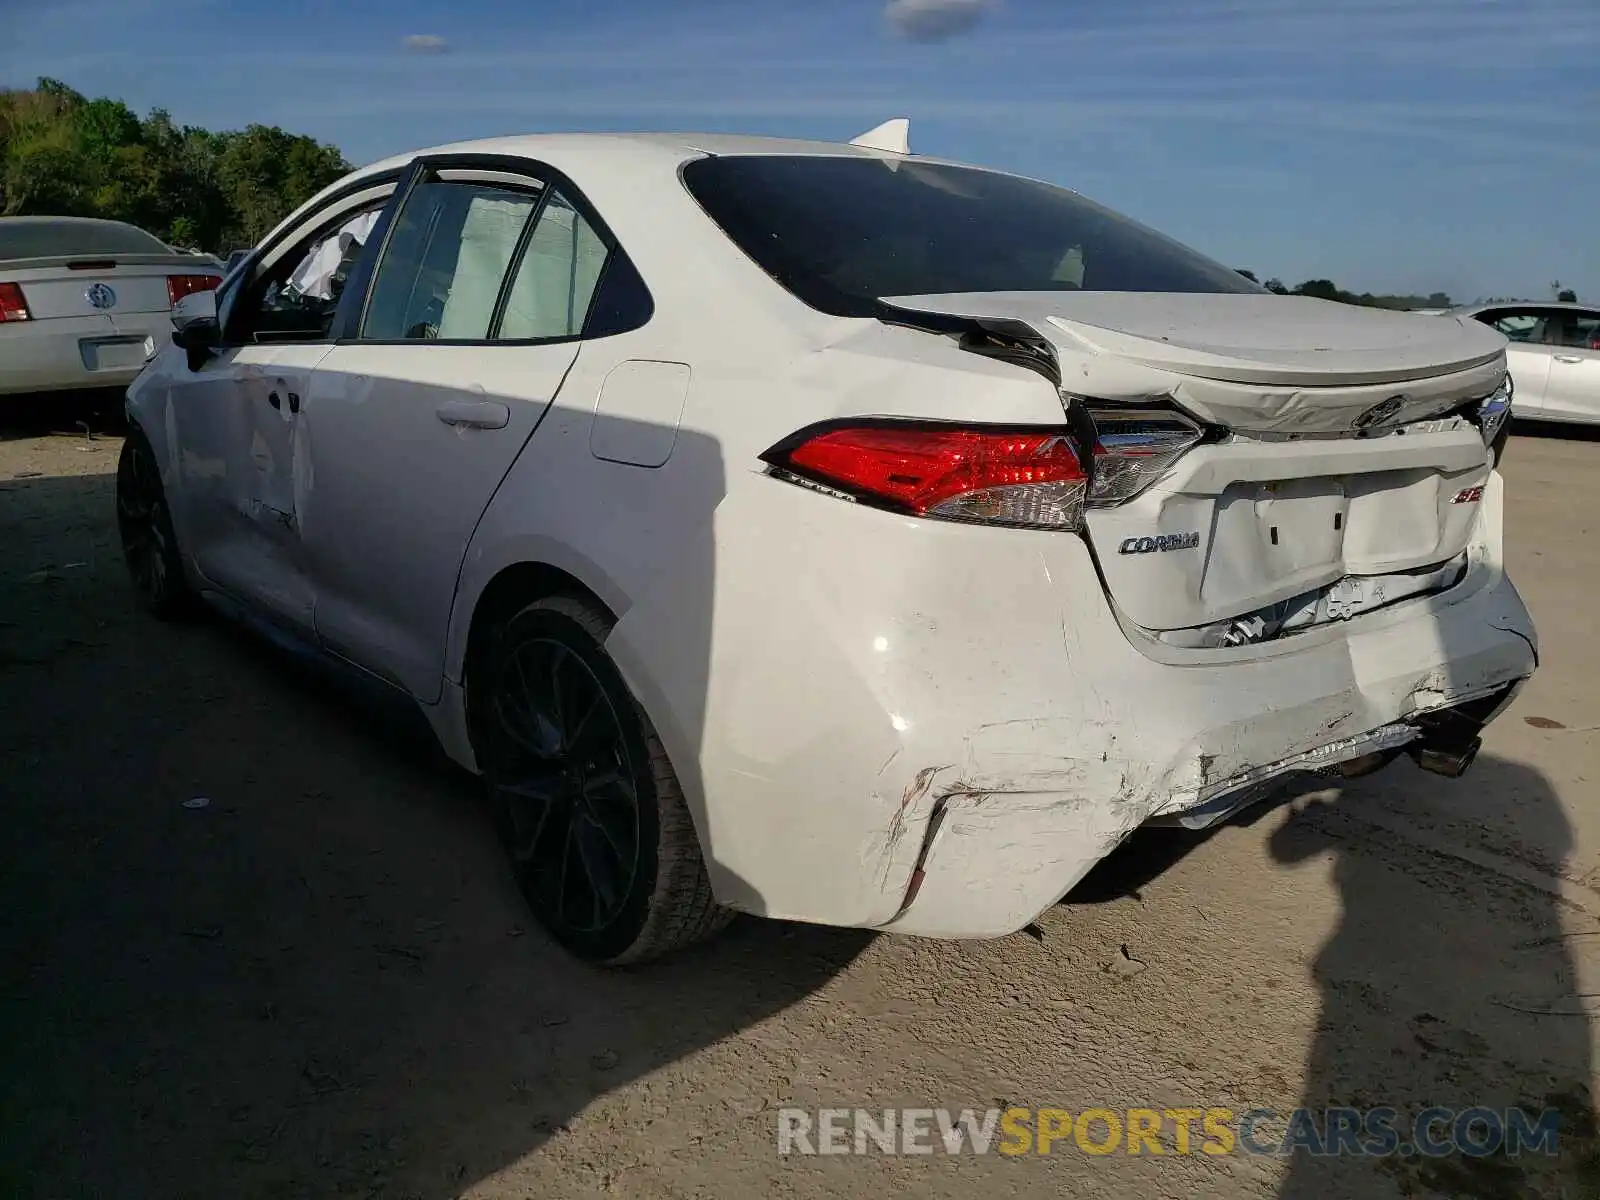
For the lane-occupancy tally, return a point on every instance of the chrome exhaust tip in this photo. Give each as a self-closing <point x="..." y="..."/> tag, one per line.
<point x="1449" y="760"/>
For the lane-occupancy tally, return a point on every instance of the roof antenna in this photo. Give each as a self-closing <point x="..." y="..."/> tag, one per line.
<point x="892" y="137"/>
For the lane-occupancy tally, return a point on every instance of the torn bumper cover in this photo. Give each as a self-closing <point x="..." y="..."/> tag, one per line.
<point x="1000" y="849"/>
<point x="1444" y="741"/>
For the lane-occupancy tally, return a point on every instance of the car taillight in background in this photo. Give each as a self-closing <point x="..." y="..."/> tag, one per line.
<point x="179" y="286"/>
<point x="13" y="306"/>
<point x="1028" y="477"/>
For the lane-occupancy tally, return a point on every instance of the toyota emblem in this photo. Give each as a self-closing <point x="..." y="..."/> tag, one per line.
<point x="100" y="295"/>
<point x="1381" y="413"/>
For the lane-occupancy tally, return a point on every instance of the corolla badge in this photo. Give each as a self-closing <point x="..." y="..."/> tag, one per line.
<point x="100" y="295"/>
<point x="1159" y="543"/>
<point x="1381" y="413"/>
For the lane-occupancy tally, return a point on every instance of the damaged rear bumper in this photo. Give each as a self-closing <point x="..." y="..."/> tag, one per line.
<point x="939" y="728"/>
<point x="998" y="852"/>
<point x="1444" y="741"/>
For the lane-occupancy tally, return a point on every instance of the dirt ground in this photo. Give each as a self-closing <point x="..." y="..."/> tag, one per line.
<point x="322" y="981"/>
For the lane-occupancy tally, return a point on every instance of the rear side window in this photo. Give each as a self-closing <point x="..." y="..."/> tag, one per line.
<point x="42" y="237"/>
<point x="556" y="278"/>
<point x="442" y="267"/>
<point x="477" y="262"/>
<point x="842" y="232"/>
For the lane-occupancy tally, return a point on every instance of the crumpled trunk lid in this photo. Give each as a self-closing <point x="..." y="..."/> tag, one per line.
<point x="1303" y="483"/>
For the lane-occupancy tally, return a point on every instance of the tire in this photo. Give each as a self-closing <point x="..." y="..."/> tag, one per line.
<point x="591" y="814"/>
<point x="144" y="523"/>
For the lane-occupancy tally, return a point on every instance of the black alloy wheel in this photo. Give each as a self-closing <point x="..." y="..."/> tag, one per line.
<point x="144" y="523"/>
<point x="590" y="811"/>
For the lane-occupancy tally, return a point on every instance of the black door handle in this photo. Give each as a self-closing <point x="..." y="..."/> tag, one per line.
<point x="294" y="402"/>
<point x="272" y="399"/>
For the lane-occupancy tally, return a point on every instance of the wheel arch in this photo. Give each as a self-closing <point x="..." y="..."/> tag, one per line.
<point x="524" y="581"/>
<point x="513" y="586"/>
<point x="520" y="570"/>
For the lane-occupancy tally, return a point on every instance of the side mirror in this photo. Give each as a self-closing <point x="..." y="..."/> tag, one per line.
<point x="196" y="306"/>
<point x="199" y="338"/>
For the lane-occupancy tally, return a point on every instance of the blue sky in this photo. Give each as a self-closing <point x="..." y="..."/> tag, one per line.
<point x="1391" y="145"/>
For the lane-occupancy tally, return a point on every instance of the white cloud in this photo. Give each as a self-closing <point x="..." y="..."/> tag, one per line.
<point x="934" y="20"/>
<point x="425" y="43"/>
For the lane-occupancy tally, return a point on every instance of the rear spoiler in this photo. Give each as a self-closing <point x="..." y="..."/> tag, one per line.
<point x="993" y="337"/>
<point x="110" y="262"/>
<point x="1009" y="341"/>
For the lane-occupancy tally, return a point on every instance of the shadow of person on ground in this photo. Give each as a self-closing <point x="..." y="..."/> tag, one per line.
<point x="1449" y="981"/>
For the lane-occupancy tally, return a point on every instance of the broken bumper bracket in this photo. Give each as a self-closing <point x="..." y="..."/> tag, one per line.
<point x="1444" y="741"/>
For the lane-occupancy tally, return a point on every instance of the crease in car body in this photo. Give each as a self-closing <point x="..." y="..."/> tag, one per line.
<point x="461" y="563"/>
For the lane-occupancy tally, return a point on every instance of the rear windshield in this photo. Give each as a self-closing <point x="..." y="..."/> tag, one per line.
<point x="56" y="239"/>
<point x="841" y="232"/>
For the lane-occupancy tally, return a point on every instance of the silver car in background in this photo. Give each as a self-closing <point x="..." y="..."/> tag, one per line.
<point x="85" y="303"/>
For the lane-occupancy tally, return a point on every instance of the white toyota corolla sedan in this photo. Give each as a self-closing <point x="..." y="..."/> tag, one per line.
<point x="823" y="531"/>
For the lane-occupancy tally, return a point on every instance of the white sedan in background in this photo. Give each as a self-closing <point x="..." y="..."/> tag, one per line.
<point x="823" y="531"/>
<point x="84" y="302"/>
<point x="1554" y="357"/>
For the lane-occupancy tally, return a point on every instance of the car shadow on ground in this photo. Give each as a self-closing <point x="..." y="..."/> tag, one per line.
<point x="1555" y="430"/>
<point x="1450" y="980"/>
<point x="97" y="410"/>
<point x="261" y="942"/>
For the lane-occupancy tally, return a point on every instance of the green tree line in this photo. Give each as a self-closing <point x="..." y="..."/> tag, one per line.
<point x="1326" y="289"/>
<point x="64" y="154"/>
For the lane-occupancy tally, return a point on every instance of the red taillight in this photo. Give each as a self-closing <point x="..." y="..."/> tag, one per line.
<point x="1134" y="447"/>
<point x="179" y="286"/>
<point x="994" y="475"/>
<point x="13" y="307"/>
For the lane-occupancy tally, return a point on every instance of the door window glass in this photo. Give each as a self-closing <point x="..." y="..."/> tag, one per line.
<point x="297" y="299"/>
<point x="556" y="279"/>
<point x="442" y="268"/>
<point x="1518" y="325"/>
<point x="1581" y="330"/>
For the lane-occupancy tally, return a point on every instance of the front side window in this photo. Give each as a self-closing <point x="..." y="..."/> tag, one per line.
<point x="443" y="265"/>
<point x="1581" y="330"/>
<point x="842" y="232"/>
<point x="296" y="299"/>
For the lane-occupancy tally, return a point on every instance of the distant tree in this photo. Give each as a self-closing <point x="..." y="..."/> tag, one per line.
<point x="1322" y="289"/>
<point x="1250" y="275"/>
<point x="63" y="153"/>
<point x="1567" y="296"/>
<point x="1326" y="289"/>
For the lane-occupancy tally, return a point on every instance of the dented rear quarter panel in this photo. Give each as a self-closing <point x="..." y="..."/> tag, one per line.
<point x="924" y="669"/>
